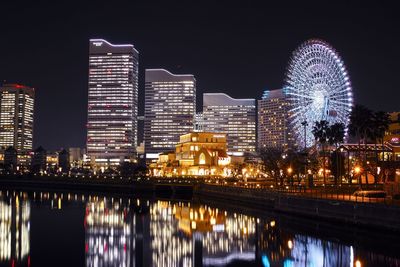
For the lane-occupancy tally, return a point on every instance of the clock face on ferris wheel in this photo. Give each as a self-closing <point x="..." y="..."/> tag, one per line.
<point x="318" y="88"/>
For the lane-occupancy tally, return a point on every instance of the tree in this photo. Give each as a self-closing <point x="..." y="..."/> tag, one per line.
<point x="129" y="169"/>
<point x="361" y="127"/>
<point x="335" y="137"/>
<point x="277" y="162"/>
<point x="380" y="124"/>
<point x="271" y="158"/>
<point x="321" y="135"/>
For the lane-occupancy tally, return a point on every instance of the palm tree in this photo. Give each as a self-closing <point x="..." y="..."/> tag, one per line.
<point x="335" y="137"/>
<point x="321" y="134"/>
<point x="381" y="121"/>
<point x="361" y="127"/>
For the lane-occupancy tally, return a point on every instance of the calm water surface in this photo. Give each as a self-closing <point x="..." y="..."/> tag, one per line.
<point x="68" y="229"/>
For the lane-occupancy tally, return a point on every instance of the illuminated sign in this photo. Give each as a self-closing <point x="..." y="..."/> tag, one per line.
<point x="395" y="140"/>
<point x="98" y="43"/>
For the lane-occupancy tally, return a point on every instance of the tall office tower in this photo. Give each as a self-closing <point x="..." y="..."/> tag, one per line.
<point x="16" y="117"/>
<point x="235" y="117"/>
<point x="170" y="107"/>
<point x="112" y="102"/>
<point x="273" y="130"/>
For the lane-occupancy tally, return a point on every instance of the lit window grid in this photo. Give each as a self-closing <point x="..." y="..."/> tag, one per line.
<point x="169" y="112"/>
<point x="112" y="105"/>
<point x="273" y="130"/>
<point x="16" y="117"/>
<point x="238" y="122"/>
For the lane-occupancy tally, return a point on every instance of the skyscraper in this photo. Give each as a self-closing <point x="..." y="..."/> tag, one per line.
<point x="273" y="130"/>
<point x="170" y="107"/>
<point x="235" y="117"/>
<point x="112" y="102"/>
<point x="16" y="117"/>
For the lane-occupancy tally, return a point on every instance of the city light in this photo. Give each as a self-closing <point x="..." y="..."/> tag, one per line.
<point x="357" y="169"/>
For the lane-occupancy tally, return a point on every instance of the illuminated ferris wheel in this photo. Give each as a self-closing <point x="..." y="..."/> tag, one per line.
<point x="318" y="88"/>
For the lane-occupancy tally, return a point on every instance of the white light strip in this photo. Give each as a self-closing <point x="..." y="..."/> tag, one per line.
<point x="113" y="45"/>
<point x="176" y="75"/>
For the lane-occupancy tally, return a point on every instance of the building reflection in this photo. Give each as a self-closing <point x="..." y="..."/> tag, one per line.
<point x="108" y="228"/>
<point x="182" y="234"/>
<point x="281" y="249"/>
<point x="14" y="229"/>
<point x="170" y="246"/>
<point x="277" y="246"/>
<point x="165" y="234"/>
<point x="136" y="232"/>
<point x="201" y="236"/>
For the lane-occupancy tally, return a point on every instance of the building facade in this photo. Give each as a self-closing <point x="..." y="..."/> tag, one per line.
<point x="235" y="117"/>
<point x="16" y="117"/>
<point x="198" y="122"/>
<point x="112" y="102"/>
<point x="196" y="154"/>
<point x="273" y="115"/>
<point x="170" y="107"/>
<point x="392" y="135"/>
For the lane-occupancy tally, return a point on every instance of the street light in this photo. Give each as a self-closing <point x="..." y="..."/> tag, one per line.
<point x="305" y="124"/>
<point x="357" y="169"/>
<point x="289" y="171"/>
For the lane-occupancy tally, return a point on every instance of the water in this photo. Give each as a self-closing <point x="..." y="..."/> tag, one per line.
<point x="68" y="229"/>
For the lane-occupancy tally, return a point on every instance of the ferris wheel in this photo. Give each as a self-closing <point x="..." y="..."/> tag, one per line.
<point x="318" y="88"/>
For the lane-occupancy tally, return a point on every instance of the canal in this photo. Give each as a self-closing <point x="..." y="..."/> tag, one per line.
<point x="40" y="228"/>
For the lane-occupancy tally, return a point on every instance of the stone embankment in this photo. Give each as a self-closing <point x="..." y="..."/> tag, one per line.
<point x="375" y="215"/>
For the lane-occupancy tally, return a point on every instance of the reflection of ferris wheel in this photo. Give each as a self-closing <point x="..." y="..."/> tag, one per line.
<point x="318" y="88"/>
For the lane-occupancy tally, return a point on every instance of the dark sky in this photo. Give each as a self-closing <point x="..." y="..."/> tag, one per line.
<point x="240" y="48"/>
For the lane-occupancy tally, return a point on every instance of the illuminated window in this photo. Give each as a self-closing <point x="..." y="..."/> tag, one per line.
<point x="202" y="159"/>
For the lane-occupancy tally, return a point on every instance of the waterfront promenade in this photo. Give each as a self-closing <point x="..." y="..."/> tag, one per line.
<point x="322" y="205"/>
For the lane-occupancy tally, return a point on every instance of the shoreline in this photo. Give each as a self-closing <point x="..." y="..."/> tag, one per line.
<point x="376" y="216"/>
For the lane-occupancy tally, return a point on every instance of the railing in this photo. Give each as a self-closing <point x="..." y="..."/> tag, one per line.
<point x="344" y="192"/>
<point x="353" y="193"/>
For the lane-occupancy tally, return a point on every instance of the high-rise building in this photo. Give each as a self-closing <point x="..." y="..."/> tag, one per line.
<point x="235" y="117"/>
<point x="273" y="130"/>
<point x="16" y="117"/>
<point x="170" y="107"/>
<point x="112" y="102"/>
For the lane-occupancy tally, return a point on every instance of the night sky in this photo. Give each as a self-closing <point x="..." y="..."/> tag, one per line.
<point x="233" y="47"/>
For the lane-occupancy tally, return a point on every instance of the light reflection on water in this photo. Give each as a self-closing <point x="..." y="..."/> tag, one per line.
<point x="14" y="229"/>
<point x="139" y="232"/>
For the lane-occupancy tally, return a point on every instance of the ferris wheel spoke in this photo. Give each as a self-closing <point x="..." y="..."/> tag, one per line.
<point x="318" y="88"/>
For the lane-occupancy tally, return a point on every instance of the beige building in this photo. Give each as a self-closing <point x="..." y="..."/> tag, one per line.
<point x="196" y="154"/>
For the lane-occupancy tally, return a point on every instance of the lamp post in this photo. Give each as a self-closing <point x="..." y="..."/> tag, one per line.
<point x="289" y="171"/>
<point x="305" y="124"/>
<point x="357" y="170"/>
